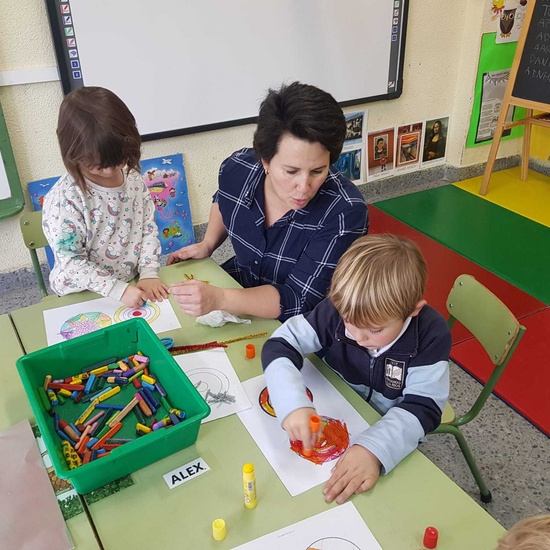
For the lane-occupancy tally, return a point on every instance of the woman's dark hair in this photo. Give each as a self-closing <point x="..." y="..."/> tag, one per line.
<point x="95" y="128"/>
<point x="304" y="111"/>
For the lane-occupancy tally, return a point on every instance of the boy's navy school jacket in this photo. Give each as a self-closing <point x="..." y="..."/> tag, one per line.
<point x="408" y="383"/>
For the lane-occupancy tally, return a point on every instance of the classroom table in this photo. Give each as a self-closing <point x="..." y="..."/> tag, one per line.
<point x="150" y="515"/>
<point x="14" y="407"/>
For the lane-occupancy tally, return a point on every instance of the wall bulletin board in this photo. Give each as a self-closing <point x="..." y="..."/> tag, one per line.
<point x="495" y="62"/>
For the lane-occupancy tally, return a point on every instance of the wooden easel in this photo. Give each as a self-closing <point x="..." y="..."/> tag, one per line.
<point x="510" y="100"/>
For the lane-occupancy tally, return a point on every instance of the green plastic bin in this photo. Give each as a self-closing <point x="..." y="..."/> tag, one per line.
<point x="121" y="340"/>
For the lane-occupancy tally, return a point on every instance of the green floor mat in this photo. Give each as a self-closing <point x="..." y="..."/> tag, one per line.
<point x="510" y="246"/>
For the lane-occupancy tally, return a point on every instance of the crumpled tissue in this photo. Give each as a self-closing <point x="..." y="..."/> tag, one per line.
<point x="218" y="318"/>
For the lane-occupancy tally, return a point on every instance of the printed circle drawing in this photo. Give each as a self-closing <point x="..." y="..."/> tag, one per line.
<point x="84" y="323"/>
<point x="208" y="380"/>
<point x="333" y="543"/>
<point x="150" y="312"/>
<point x="267" y="407"/>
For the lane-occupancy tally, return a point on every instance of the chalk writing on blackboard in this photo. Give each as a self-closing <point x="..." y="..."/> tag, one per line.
<point x="533" y="78"/>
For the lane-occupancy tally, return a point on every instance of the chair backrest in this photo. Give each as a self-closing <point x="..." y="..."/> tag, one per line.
<point x="484" y="315"/>
<point x="491" y="323"/>
<point x="31" y="229"/>
<point x="33" y="237"/>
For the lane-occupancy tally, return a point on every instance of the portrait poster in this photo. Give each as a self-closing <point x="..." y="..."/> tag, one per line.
<point x="165" y="178"/>
<point x="435" y="141"/>
<point x="380" y="153"/>
<point x="351" y="161"/>
<point x="409" y="146"/>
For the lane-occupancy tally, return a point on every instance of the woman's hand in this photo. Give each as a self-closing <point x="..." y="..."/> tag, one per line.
<point x="192" y="252"/>
<point x="356" y="471"/>
<point x="154" y="289"/>
<point x="197" y="297"/>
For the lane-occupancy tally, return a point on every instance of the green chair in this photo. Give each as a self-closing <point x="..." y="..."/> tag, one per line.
<point x="33" y="237"/>
<point x="499" y="332"/>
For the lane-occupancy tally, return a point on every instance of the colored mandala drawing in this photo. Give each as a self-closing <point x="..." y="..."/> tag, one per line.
<point x="84" y="323"/>
<point x="331" y="444"/>
<point x="333" y="543"/>
<point x="150" y="312"/>
<point x="265" y="403"/>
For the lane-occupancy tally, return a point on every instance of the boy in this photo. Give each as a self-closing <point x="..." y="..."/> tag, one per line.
<point x="378" y="334"/>
<point x="528" y="534"/>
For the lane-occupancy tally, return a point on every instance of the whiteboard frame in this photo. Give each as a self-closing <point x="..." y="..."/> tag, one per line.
<point x="69" y="82"/>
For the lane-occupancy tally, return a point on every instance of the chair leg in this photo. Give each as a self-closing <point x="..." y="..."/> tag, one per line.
<point x="485" y="494"/>
<point x="38" y="273"/>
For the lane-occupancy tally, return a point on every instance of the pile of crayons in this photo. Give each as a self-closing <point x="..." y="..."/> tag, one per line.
<point x="92" y="434"/>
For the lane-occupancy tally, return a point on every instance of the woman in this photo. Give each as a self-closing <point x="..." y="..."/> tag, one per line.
<point x="289" y="218"/>
<point x="435" y="143"/>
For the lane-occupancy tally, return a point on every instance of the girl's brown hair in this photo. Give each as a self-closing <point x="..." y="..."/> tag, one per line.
<point x="95" y="129"/>
<point x="378" y="279"/>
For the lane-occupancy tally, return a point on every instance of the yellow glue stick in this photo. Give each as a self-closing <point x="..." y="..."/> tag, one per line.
<point x="249" y="480"/>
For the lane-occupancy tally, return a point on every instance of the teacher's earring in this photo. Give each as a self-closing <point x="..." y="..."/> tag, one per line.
<point x="266" y="171"/>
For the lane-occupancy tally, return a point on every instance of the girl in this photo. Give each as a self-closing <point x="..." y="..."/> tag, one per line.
<point x="99" y="217"/>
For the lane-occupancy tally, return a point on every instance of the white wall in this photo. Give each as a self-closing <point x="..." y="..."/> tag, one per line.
<point x="441" y="56"/>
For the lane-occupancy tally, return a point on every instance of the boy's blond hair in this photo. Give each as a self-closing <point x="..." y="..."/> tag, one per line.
<point x="380" y="278"/>
<point x="528" y="534"/>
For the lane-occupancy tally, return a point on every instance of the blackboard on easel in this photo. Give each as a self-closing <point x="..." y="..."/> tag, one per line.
<point x="528" y="86"/>
<point x="533" y="76"/>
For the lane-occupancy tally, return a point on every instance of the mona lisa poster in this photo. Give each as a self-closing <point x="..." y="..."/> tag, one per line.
<point x="435" y="141"/>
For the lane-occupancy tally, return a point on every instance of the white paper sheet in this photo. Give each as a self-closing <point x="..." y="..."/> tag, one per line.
<point x="340" y="528"/>
<point x="67" y="322"/>
<point x="296" y="473"/>
<point x="211" y="372"/>
<point x="5" y="191"/>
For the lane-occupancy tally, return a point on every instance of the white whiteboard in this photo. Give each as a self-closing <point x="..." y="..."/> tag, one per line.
<point x="191" y="65"/>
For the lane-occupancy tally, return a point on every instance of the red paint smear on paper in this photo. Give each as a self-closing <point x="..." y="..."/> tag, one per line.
<point x="332" y="443"/>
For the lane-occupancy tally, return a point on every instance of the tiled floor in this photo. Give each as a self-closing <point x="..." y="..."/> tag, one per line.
<point x="513" y="455"/>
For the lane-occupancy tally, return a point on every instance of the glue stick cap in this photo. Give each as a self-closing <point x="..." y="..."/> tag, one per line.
<point x="314" y="423"/>
<point x="219" y="531"/>
<point x="250" y="351"/>
<point x="430" y="537"/>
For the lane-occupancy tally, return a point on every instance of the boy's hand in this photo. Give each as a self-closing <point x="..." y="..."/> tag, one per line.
<point x="154" y="289"/>
<point x="296" y="424"/>
<point x="356" y="471"/>
<point x="133" y="297"/>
